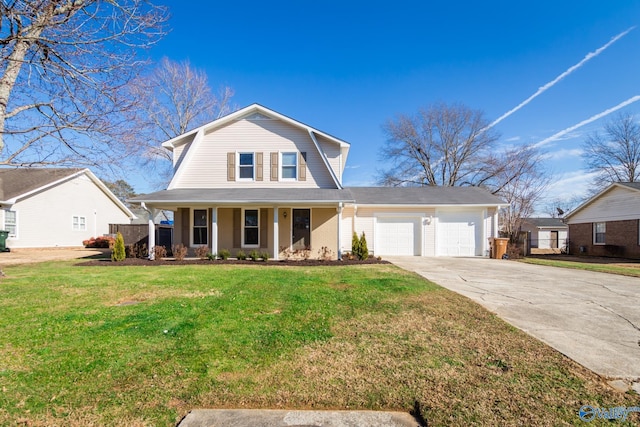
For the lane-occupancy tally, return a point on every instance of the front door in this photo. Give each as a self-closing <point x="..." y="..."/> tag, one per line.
<point x="301" y="229"/>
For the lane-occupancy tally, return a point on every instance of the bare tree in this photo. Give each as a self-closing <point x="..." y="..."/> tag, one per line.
<point x="175" y="98"/>
<point x="559" y="207"/>
<point x="441" y="145"/>
<point x="64" y="65"/>
<point x="614" y="156"/>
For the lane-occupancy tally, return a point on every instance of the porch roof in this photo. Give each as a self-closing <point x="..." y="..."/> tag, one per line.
<point x="246" y="195"/>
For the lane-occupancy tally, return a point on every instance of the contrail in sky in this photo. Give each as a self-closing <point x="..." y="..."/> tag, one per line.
<point x="587" y="121"/>
<point x="570" y="70"/>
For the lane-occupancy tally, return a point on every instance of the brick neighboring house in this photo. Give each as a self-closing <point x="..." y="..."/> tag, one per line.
<point x="608" y="224"/>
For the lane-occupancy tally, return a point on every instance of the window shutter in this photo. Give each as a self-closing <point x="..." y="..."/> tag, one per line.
<point x="302" y="168"/>
<point x="258" y="166"/>
<point x="237" y="227"/>
<point x="231" y="166"/>
<point x="274" y="166"/>
<point x="264" y="228"/>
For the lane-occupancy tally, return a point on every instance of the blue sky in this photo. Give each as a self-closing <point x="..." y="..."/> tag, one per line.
<point x="345" y="67"/>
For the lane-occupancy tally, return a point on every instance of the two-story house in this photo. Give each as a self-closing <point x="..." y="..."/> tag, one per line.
<point x="256" y="179"/>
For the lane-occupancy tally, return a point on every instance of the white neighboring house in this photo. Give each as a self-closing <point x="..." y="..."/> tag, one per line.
<point x="56" y="207"/>
<point x="546" y="233"/>
<point x="256" y="179"/>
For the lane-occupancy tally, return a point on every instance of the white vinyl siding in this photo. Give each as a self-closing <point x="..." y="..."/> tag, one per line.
<point x="617" y="204"/>
<point x="45" y="218"/>
<point x="207" y="166"/>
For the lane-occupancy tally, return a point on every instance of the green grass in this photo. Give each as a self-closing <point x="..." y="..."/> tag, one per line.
<point x="622" y="268"/>
<point x="144" y="345"/>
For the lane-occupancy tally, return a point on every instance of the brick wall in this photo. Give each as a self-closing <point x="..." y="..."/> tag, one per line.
<point x="621" y="239"/>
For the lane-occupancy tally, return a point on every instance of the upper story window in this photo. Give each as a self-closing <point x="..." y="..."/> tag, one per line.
<point x="79" y="223"/>
<point x="11" y="222"/>
<point x="246" y="165"/>
<point x="599" y="232"/>
<point x="289" y="166"/>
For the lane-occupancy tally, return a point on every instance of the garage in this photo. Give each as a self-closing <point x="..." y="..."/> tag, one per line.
<point x="459" y="233"/>
<point x="398" y="236"/>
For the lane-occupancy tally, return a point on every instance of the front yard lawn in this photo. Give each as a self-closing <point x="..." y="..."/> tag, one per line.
<point x="143" y="345"/>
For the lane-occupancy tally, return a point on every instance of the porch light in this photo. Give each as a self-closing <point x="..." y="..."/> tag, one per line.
<point x="284" y="214"/>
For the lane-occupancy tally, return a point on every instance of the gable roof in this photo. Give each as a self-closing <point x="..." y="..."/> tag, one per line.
<point x="196" y="135"/>
<point x="635" y="186"/>
<point x="18" y="183"/>
<point x="546" y="222"/>
<point x="425" y="196"/>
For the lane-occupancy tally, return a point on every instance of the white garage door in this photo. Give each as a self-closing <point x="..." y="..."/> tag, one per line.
<point x="397" y="236"/>
<point x="459" y="233"/>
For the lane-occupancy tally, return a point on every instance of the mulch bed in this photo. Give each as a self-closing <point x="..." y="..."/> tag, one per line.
<point x="106" y="262"/>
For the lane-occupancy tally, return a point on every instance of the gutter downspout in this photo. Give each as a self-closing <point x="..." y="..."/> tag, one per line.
<point x="152" y="230"/>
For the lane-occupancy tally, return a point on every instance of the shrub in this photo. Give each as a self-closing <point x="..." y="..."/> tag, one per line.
<point x="202" y="252"/>
<point x="265" y="256"/>
<point x="325" y="254"/>
<point x="224" y="254"/>
<point x="159" y="252"/>
<point x="211" y="257"/>
<point x="179" y="251"/>
<point x="241" y="255"/>
<point x="137" y="250"/>
<point x="254" y="255"/>
<point x="99" y="242"/>
<point x="355" y="245"/>
<point x="364" y="251"/>
<point x="118" y="253"/>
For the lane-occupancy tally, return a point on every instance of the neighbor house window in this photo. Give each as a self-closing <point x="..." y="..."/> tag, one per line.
<point x="251" y="228"/>
<point x="11" y="222"/>
<point x="599" y="231"/>
<point x="200" y="227"/>
<point x="289" y="166"/>
<point x="79" y="223"/>
<point x="245" y="165"/>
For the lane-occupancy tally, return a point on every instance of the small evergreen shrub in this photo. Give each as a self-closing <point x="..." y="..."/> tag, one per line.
<point x="355" y="246"/>
<point x="211" y="257"/>
<point x="265" y="256"/>
<point x="364" y="251"/>
<point x="202" y="252"/>
<point x="159" y="252"/>
<point x="241" y="255"/>
<point x="179" y="251"/>
<point x="118" y="253"/>
<point x="224" y="254"/>
<point x="254" y="255"/>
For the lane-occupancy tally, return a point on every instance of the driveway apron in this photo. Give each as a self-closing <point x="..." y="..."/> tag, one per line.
<point x="593" y="318"/>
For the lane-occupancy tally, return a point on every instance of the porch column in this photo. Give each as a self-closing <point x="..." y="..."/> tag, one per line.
<point x="276" y="242"/>
<point x="151" y="213"/>
<point x="496" y="214"/>
<point x="339" y="230"/>
<point x="214" y="230"/>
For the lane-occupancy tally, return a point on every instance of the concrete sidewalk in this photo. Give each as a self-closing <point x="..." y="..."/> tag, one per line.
<point x="593" y="318"/>
<point x="292" y="418"/>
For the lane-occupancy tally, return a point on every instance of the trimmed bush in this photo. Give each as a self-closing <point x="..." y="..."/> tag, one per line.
<point x="265" y="256"/>
<point x="179" y="251"/>
<point x="241" y="255"/>
<point x="118" y="253"/>
<point x="202" y="251"/>
<point x="224" y="254"/>
<point x="159" y="252"/>
<point x="364" y="251"/>
<point x="254" y="255"/>
<point x="355" y="245"/>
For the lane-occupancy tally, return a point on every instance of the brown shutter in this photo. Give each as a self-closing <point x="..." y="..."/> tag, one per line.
<point x="264" y="228"/>
<point x="302" y="168"/>
<point x="237" y="227"/>
<point x="231" y="166"/>
<point x="274" y="166"/>
<point x="258" y="166"/>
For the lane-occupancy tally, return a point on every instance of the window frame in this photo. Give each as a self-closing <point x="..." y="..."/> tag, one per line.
<point x="603" y="233"/>
<point x="243" y="242"/>
<point x="295" y="166"/>
<point x="80" y="224"/>
<point x="240" y="167"/>
<point x="14" y="225"/>
<point x="194" y="226"/>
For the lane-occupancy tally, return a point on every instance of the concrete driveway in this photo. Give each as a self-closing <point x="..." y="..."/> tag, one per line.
<point x="593" y="318"/>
